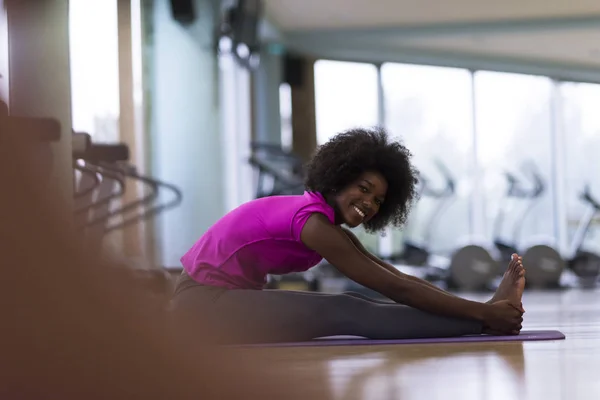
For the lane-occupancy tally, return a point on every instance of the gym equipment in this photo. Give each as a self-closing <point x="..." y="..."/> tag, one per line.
<point x="279" y="172"/>
<point x="514" y="191"/>
<point x="415" y="254"/>
<point x="544" y="266"/>
<point x="109" y="161"/>
<point x="585" y="264"/>
<point x="524" y="336"/>
<point x="300" y="281"/>
<point x="544" y="263"/>
<point x="470" y="267"/>
<point x="99" y="190"/>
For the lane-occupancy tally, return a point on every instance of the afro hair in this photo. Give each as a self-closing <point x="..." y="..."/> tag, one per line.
<point x="340" y="161"/>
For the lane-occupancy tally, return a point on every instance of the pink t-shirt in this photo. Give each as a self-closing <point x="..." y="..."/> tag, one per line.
<point x="258" y="238"/>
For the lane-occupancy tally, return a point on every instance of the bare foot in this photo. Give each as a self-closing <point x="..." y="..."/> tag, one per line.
<point x="513" y="283"/>
<point x="488" y="331"/>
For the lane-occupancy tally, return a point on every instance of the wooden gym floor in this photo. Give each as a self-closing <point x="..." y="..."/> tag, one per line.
<point x="566" y="369"/>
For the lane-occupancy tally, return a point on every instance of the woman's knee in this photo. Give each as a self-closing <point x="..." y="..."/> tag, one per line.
<point x="368" y="298"/>
<point x="354" y="294"/>
<point x="353" y="305"/>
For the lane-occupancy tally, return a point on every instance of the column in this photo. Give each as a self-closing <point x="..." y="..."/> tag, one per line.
<point x="304" y="123"/>
<point x="266" y="81"/>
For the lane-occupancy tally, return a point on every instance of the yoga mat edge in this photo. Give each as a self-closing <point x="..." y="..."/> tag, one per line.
<point x="336" y="341"/>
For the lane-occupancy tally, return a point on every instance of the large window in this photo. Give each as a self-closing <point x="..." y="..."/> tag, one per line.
<point x="580" y="123"/>
<point x="95" y="68"/>
<point x="345" y="96"/>
<point x="514" y="128"/>
<point x="480" y="133"/>
<point x="429" y="108"/>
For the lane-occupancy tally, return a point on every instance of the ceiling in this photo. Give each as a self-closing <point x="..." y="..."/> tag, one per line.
<point x="293" y="15"/>
<point x="533" y="31"/>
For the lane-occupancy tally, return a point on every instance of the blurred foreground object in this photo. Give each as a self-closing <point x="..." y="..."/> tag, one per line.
<point x="73" y="326"/>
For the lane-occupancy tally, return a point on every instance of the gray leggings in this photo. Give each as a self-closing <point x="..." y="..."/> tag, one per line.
<point x="264" y="316"/>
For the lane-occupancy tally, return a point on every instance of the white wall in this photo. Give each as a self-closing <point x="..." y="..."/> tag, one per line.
<point x="185" y="137"/>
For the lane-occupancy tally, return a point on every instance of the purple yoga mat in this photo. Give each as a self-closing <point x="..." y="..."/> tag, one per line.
<point x="353" y="340"/>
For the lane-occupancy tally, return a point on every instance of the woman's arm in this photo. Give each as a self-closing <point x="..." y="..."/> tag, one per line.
<point x="335" y="246"/>
<point x="387" y="266"/>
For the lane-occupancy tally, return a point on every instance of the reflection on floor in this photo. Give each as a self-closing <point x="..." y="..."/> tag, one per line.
<point x="565" y="369"/>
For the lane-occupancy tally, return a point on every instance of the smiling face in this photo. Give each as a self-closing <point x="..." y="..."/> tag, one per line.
<point x="360" y="201"/>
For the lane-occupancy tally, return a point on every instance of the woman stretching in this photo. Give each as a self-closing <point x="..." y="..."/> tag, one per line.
<point x="358" y="177"/>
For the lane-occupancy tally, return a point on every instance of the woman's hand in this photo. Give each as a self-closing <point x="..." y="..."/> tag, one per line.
<point x="502" y="317"/>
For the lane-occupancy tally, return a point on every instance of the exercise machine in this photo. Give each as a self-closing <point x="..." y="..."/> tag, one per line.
<point x="543" y="262"/>
<point x="515" y="191"/>
<point x="101" y="172"/>
<point x="418" y="254"/>
<point x="412" y="253"/>
<point x="280" y="172"/>
<point x="110" y="161"/>
<point x="545" y="265"/>
<point x="585" y="264"/>
<point x="471" y="267"/>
